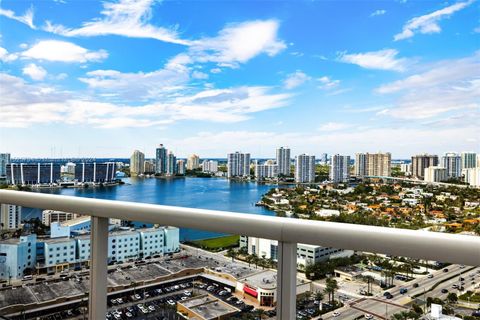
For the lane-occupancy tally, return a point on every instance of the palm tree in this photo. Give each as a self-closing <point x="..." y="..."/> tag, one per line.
<point x="330" y="289"/>
<point x="369" y="284"/>
<point x="255" y="260"/>
<point x="319" y="295"/>
<point x="249" y="259"/>
<point x="260" y="312"/>
<point x="232" y="254"/>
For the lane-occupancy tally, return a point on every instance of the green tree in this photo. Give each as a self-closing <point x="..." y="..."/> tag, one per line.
<point x="259" y="313"/>
<point x="231" y="253"/>
<point x="331" y="287"/>
<point x="452" y="297"/>
<point x="319" y="295"/>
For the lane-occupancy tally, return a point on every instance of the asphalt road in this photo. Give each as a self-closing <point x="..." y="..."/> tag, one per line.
<point x="379" y="307"/>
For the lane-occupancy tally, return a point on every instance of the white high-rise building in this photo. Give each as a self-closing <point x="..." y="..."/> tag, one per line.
<point x="360" y="164"/>
<point x="4" y="160"/>
<point x="305" y="169"/>
<point x="435" y="174"/>
<point x="472" y="176"/>
<point x="469" y="160"/>
<point x="137" y="163"/>
<point x="171" y="167"/>
<point x="283" y="161"/>
<point x="453" y="163"/>
<point x="193" y="162"/>
<point x="406" y="168"/>
<point x="210" y="166"/>
<point x="181" y="166"/>
<point x="10" y="216"/>
<point x="265" y="170"/>
<point x="339" y="168"/>
<point x="238" y="164"/>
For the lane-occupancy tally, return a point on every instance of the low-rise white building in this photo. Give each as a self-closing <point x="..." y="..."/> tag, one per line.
<point x="49" y="216"/>
<point x="435" y="174"/>
<point x="17" y="255"/>
<point x="59" y="251"/>
<point x="77" y="226"/>
<point x="472" y="176"/>
<point x="57" y="254"/>
<point x="268" y="249"/>
<point x="152" y="241"/>
<point x="327" y="212"/>
<point x="263" y="287"/>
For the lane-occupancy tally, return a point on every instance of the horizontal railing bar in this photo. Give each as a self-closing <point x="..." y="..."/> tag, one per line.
<point x="463" y="249"/>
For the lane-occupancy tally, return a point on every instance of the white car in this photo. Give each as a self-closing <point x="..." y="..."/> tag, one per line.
<point x="336" y="313"/>
<point x="368" y="316"/>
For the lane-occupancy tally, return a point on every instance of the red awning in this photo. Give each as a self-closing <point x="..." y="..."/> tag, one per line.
<point x="250" y="291"/>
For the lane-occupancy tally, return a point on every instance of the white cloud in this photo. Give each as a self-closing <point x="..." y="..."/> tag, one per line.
<point x="295" y="79"/>
<point x="7" y="57"/>
<point x="139" y="86"/>
<point x="438" y="74"/>
<point x="54" y="50"/>
<point x="378" y="12"/>
<point x="35" y="72"/>
<point x="319" y="56"/>
<point x="428" y="23"/>
<point x="297" y="54"/>
<point x="327" y="83"/>
<point x="24" y="104"/>
<point x="27" y="17"/>
<point x="199" y="75"/>
<point x="237" y="43"/>
<point x="385" y="59"/>
<point x="448" y="87"/>
<point x="128" y="18"/>
<point x="215" y="70"/>
<point x="61" y="76"/>
<point x="334" y="126"/>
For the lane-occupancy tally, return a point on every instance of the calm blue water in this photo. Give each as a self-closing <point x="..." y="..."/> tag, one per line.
<point x="204" y="193"/>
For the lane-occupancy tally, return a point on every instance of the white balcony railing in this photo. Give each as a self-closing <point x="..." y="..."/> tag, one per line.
<point x="451" y="248"/>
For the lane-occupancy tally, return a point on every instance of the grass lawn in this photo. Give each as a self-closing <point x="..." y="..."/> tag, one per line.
<point x="216" y="244"/>
<point x="474" y="297"/>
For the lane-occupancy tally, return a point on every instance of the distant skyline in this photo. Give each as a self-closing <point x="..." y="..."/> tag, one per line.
<point x="101" y="79"/>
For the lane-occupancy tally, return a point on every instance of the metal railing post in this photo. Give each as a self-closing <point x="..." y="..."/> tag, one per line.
<point x="97" y="300"/>
<point x="286" y="280"/>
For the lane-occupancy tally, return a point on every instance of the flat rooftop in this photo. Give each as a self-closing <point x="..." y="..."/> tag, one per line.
<point x="209" y="307"/>
<point x="196" y="258"/>
<point x="136" y="274"/>
<point x="75" y="221"/>
<point x="58" y="240"/>
<point x="266" y="280"/>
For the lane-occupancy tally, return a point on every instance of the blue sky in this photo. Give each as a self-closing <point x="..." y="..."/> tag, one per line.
<point x="91" y="78"/>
